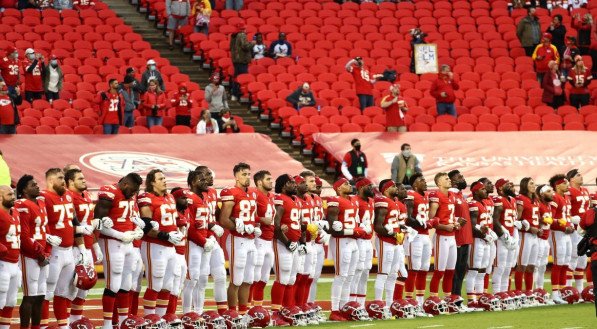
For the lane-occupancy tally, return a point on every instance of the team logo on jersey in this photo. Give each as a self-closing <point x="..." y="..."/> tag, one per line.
<point x="120" y="163"/>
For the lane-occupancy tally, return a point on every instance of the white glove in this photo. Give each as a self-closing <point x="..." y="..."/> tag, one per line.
<point x="323" y="225"/>
<point x="517" y="224"/>
<point x="84" y="256"/>
<point x="302" y="249"/>
<point x="337" y="226"/>
<point x="249" y="228"/>
<point x="366" y="227"/>
<point x="292" y="246"/>
<point x="209" y="245"/>
<point x="324" y="238"/>
<point x="309" y="248"/>
<point x="411" y="233"/>
<point x="138" y="222"/>
<point x="389" y="229"/>
<point x="128" y="236"/>
<point x="575" y="220"/>
<point x="505" y="235"/>
<point x="240" y="227"/>
<point x="154" y="225"/>
<point x="53" y="240"/>
<point x="138" y="233"/>
<point x="218" y="230"/>
<point x="488" y="238"/>
<point x="99" y="256"/>
<point x="525" y="225"/>
<point x="257" y="232"/>
<point x="175" y="237"/>
<point x="84" y="229"/>
<point x="494" y="236"/>
<point x="106" y="222"/>
<point x="580" y="231"/>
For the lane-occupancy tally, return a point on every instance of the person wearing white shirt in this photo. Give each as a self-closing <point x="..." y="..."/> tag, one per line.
<point x="207" y="125"/>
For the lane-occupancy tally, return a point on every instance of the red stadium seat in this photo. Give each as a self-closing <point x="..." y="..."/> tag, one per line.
<point x="485" y="126"/>
<point x="47" y="130"/>
<point x="351" y="127"/>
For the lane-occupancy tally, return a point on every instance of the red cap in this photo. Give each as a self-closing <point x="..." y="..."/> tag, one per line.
<point x="387" y="185"/>
<point x="215" y="77"/>
<point x="362" y="183"/>
<point x="501" y="182"/>
<point x="241" y="27"/>
<point x="182" y="86"/>
<point x="477" y="186"/>
<point x="339" y="183"/>
<point x="547" y="36"/>
<point x="181" y="193"/>
<point x="298" y="179"/>
<point x="318" y="181"/>
<point x="10" y="50"/>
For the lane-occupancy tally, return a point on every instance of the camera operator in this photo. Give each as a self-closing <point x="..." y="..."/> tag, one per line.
<point x="418" y="37"/>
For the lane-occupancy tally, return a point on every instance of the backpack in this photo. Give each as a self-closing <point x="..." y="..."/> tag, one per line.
<point x="179" y="8"/>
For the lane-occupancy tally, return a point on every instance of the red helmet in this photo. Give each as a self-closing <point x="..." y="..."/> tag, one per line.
<point x="435" y="306"/>
<point x="377" y="310"/>
<point x="588" y="294"/>
<point x="354" y="312"/>
<point x="541" y="296"/>
<point x="505" y="300"/>
<point x="192" y="320"/>
<point x="85" y="276"/>
<point x="454" y="303"/>
<point x="570" y="294"/>
<point x="530" y="297"/>
<point x="489" y="302"/>
<point x="133" y="322"/>
<point x="213" y="320"/>
<point x="293" y="315"/>
<point x="155" y="322"/>
<point x="402" y="309"/>
<point x="317" y="309"/>
<point x="259" y="317"/>
<point x="82" y="323"/>
<point x="172" y="321"/>
<point x="515" y="297"/>
<point x="310" y="313"/>
<point x="233" y="320"/>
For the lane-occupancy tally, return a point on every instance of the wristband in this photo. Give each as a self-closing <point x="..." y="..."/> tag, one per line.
<point x="148" y="226"/>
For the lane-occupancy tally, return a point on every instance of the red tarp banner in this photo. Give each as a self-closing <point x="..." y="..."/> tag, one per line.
<point x="104" y="159"/>
<point x="513" y="155"/>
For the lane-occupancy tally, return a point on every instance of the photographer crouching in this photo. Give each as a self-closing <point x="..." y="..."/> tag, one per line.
<point x="418" y="37"/>
<point x="588" y="245"/>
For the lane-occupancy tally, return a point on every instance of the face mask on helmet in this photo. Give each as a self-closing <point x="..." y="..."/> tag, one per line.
<point x="258" y="317"/>
<point x="353" y="311"/>
<point x="213" y="320"/>
<point x="193" y="320"/>
<point x="402" y="309"/>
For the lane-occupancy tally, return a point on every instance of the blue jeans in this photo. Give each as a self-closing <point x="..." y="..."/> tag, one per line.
<point x="365" y="100"/>
<point x="446" y="108"/>
<point x="154" y="121"/>
<point x="203" y="29"/>
<point x="234" y="4"/>
<point x="110" y="129"/>
<point x="129" y="119"/>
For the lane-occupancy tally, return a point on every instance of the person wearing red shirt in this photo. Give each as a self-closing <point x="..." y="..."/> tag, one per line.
<point x="9" y="114"/>
<point x="580" y="78"/>
<point x="443" y="89"/>
<point x="395" y="107"/>
<point x="507" y="243"/>
<point x="464" y="236"/>
<point x="580" y="202"/>
<point x="10" y="67"/>
<point x="10" y="245"/>
<point x="33" y="66"/>
<point x="363" y="81"/>
<point x="527" y="209"/>
<point x="83" y="4"/>
<point x="322" y="240"/>
<point x="544" y="53"/>
<point x="183" y="103"/>
<point x="364" y="197"/>
<point x="153" y="104"/>
<point x="183" y="219"/>
<point x="111" y="107"/>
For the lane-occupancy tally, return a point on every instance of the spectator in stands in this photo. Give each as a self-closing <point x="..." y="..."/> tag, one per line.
<point x="207" y="125"/>
<point x="234" y="4"/>
<point x="150" y="74"/>
<point x="9" y="114"/>
<point x="558" y="33"/>
<point x="227" y="123"/>
<point x="281" y="47"/>
<point x="259" y="49"/>
<point x="154" y="104"/>
<point x="542" y="3"/>
<point x="82" y="4"/>
<point x="303" y="96"/>
<point x="584" y="27"/>
<point x="10" y="67"/>
<point x="395" y="107"/>
<point x="569" y="53"/>
<point x="33" y="66"/>
<point x="543" y="54"/>
<point x="354" y="163"/>
<point x="241" y="50"/>
<point x="63" y="4"/>
<point x="201" y="14"/>
<point x="576" y="4"/>
<point x="5" y="4"/>
<point x="130" y="71"/>
<point x="553" y="88"/>
<point x="404" y="165"/>
<point x="529" y="31"/>
<point x="363" y="81"/>
<point x="111" y="106"/>
<point x="417" y="37"/>
<point x="43" y="4"/>
<point x="580" y="77"/>
<point x="215" y="96"/>
<point x="443" y="90"/>
<point x="178" y="12"/>
<point x="131" y="100"/>
<point x="53" y="79"/>
<point x="182" y="102"/>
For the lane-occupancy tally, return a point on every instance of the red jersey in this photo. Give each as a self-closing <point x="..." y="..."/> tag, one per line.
<point x="163" y="209"/>
<point x="318" y="210"/>
<point x="83" y="4"/>
<point x="199" y="214"/>
<point x="530" y="210"/>
<point x="445" y="211"/>
<point x="33" y="69"/>
<point x="561" y="210"/>
<point x="393" y="215"/>
<point x="347" y="212"/>
<point x="394" y="115"/>
<point x="545" y="211"/>
<point x="291" y="217"/>
<point x="10" y="235"/>
<point x="483" y="218"/>
<point x="549" y="53"/>
<point x="61" y="212"/>
<point x="580" y="81"/>
<point x="182" y="106"/>
<point x="84" y="210"/>
<point x="211" y="200"/>
<point x="580" y="201"/>
<point x="10" y="70"/>
<point x="464" y="235"/>
<point x="122" y="208"/>
<point x="594" y="199"/>
<point x="266" y="208"/>
<point x="245" y="207"/>
<point x="489" y="205"/>
<point x="420" y="209"/>
<point x="508" y="212"/>
<point x="366" y="214"/>
<point x="307" y="208"/>
<point x="182" y="222"/>
<point x="33" y="221"/>
<point x="7" y="111"/>
<point x="111" y="107"/>
<point x="362" y="81"/>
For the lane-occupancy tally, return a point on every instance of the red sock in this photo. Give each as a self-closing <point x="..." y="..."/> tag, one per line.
<point x="299" y="288"/>
<point x="528" y="281"/>
<point x="45" y="312"/>
<point x="172" y="304"/>
<point x="258" y="288"/>
<point x="77" y="306"/>
<point x="563" y="275"/>
<point x="447" y="282"/>
<point x="421" y="283"/>
<point x="7" y="315"/>
<point x="486" y="284"/>
<point x="222" y="307"/>
<point x="589" y="273"/>
<point x="435" y="279"/>
<point x="555" y="277"/>
<point x="149" y="300"/>
<point x="289" y="296"/>
<point x="108" y="306"/>
<point x="232" y="308"/>
<point x="409" y="286"/>
<point x="61" y="306"/>
<point x="242" y="309"/>
<point x="278" y="291"/>
<point x="134" y="298"/>
<point x="398" y="290"/>
<point x="518" y="275"/>
<point x="123" y="302"/>
<point x="307" y="290"/>
<point x="163" y="300"/>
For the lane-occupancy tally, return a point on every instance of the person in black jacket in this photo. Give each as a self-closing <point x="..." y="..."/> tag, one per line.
<point x="302" y="97"/>
<point x="558" y="33"/>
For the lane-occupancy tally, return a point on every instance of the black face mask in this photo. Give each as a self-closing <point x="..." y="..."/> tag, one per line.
<point x="369" y="193"/>
<point x="357" y="147"/>
<point x="510" y="193"/>
<point x="461" y="185"/>
<point x="181" y="208"/>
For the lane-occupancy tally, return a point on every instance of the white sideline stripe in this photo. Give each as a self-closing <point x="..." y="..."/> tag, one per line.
<point x="362" y="325"/>
<point x="572" y="327"/>
<point x="503" y="327"/>
<point x="432" y="326"/>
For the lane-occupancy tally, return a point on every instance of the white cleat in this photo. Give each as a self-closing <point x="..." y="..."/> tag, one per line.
<point x="558" y="301"/>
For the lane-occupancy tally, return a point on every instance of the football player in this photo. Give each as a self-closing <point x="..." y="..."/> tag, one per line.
<point x="118" y="202"/>
<point x="580" y="201"/>
<point x="157" y="249"/>
<point x="323" y="237"/>
<point x="494" y="214"/>
<point x="10" y="244"/>
<point x="238" y="215"/>
<point x="507" y="245"/>
<point x="527" y="208"/>
<point x="264" y="258"/>
<point x="77" y="185"/>
<point x="34" y="259"/>
<point x="364" y="198"/>
<point x="181" y="197"/>
<point x="341" y="215"/>
<point x="464" y="236"/>
<point x="545" y="198"/>
<point x="561" y="231"/>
